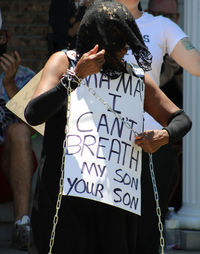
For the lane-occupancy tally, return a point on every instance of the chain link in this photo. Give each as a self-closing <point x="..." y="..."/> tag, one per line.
<point x="158" y="209"/>
<point x="61" y="182"/>
<point x="151" y="167"/>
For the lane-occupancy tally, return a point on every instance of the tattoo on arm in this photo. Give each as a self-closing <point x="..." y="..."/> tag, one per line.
<point x="187" y="44"/>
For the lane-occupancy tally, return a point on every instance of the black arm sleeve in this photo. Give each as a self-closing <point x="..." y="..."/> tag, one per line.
<point x="179" y="125"/>
<point x="41" y="108"/>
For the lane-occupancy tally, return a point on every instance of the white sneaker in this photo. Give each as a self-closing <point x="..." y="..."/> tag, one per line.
<point x="21" y="232"/>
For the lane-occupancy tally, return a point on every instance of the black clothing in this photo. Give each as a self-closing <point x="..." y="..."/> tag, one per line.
<point x="178" y="126"/>
<point x="98" y="22"/>
<point x="57" y="95"/>
<point x="63" y="19"/>
<point x="171" y="80"/>
<point x="148" y="238"/>
<point x="84" y="226"/>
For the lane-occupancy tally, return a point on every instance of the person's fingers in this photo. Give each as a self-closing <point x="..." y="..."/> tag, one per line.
<point x="8" y="58"/>
<point x="100" y="53"/>
<point x="139" y="140"/>
<point x="144" y="135"/>
<point x="18" y="58"/>
<point x="92" y="51"/>
<point x="5" y="63"/>
<point x="4" y="67"/>
<point x="98" y="57"/>
<point x="139" y="137"/>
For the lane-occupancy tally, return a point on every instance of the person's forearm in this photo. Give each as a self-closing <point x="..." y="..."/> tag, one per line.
<point x="178" y="126"/>
<point x="10" y="88"/>
<point x="43" y="107"/>
<point x="7" y="116"/>
<point x="152" y="140"/>
<point x="187" y="56"/>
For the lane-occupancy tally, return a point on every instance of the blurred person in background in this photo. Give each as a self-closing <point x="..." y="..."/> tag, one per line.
<point x="17" y="160"/>
<point x="171" y="83"/>
<point x="64" y="21"/>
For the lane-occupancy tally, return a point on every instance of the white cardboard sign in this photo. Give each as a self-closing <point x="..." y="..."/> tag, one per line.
<point x="101" y="162"/>
<point x="18" y="102"/>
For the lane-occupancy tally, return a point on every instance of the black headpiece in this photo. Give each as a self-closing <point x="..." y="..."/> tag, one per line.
<point x="110" y="25"/>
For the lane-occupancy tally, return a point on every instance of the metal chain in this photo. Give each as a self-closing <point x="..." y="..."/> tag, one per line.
<point x="61" y="183"/>
<point x="151" y="167"/>
<point x="158" y="209"/>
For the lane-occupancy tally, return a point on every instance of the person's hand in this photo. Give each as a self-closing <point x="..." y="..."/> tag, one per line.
<point x="90" y="63"/>
<point x="150" y="141"/>
<point x="10" y="64"/>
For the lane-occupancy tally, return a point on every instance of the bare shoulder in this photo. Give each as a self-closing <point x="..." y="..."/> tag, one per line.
<point x="59" y="57"/>
<point x="57" y="64"/>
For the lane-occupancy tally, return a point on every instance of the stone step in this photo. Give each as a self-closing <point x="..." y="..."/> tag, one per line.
<point x="6" y="212"/>
<point x="8" y="249"/>
<point x="6" y="232"/>
<point x="6" y="228"/>
<point x="5" y="235"/>
<point x="6" y="223"/>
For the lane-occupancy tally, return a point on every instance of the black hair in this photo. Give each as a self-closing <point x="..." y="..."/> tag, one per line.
<point x="139" y="7"/>
<point x="110" y="25"/>
<point x="3" y="47"/>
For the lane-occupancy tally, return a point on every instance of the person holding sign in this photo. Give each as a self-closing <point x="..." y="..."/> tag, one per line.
<point x="92" y="104"/>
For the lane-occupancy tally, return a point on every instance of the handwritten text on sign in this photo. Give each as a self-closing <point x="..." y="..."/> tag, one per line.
<point x="101" y="161"/>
